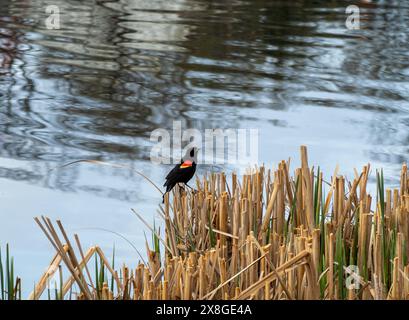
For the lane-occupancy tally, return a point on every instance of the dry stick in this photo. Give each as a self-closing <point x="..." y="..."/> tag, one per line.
<point x="316" y="251"/>
<point x="223" y="217"/>
<point x="287" y="292"/>
<point x="71" y="259"/>
<point x="331" y="190"/>
<point x="287" y="182"/>
<point x="52" y="268"/>
<point x="271" y="276"/>
<point x="306" y="177"/>
<point x="270" y="206"/>
<point x="404" y="276"/>
<point x="222" y="233"/>
<point x="158" y="276"/>
<point x="395" y="290"/>
<point x="212" y="293"/>
<point x="53" y="238"/>
<point x="213" y="266"/>
<point x="77" y="240"/>
<point x="17" y="288"/>
<point x="202" y="277"/>
<point x="349" y="204"/>
<point x="70" y="281"/>
<point x="331" y="288"/>
<point x="67" y="241"/>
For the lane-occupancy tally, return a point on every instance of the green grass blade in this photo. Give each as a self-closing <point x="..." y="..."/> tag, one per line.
<point x="113" y="268"/>
<point x="1" y="277"/>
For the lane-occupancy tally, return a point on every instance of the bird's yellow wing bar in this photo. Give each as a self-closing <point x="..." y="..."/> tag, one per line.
<point x="186" y="164"/>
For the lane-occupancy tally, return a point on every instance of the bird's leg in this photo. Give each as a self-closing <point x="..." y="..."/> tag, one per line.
<point x="193" y="190"/>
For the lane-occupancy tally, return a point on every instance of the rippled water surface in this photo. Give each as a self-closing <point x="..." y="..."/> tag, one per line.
<point x="116" y="70"/>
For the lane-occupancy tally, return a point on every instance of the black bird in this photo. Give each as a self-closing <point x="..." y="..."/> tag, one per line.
<point x="182" y="172"/>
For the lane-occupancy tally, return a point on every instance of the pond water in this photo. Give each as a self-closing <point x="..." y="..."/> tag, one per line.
<point x="117" y="70"/>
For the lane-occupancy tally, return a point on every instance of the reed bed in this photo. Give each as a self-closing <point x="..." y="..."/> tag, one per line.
<point x="270" y="235"/>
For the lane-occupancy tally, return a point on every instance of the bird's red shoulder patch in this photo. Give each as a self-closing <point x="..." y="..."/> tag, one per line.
<point x="186" y="164"/>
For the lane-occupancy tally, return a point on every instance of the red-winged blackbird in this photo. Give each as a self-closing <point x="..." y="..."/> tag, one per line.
<point x="182" y="172"/>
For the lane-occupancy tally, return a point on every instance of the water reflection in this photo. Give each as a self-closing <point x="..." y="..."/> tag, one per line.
<point x="116" y="70"/>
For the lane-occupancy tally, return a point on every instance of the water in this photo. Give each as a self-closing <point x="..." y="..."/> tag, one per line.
<point x="116" y="70"/>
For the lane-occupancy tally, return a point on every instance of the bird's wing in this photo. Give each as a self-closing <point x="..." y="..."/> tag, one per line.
<point x="171" y="172"/>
